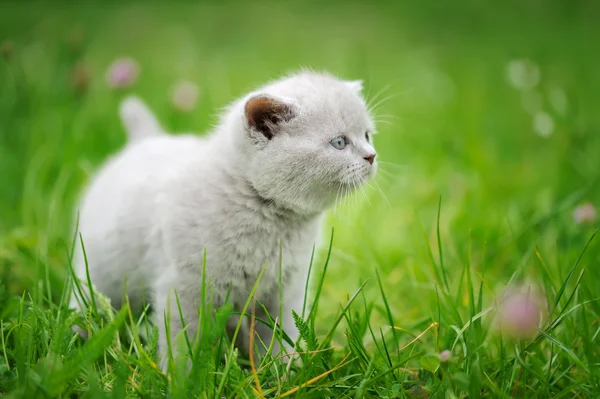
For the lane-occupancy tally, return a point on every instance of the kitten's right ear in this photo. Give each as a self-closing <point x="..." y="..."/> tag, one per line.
<point x="264" y="114"/>
<point x="355" y="85"/>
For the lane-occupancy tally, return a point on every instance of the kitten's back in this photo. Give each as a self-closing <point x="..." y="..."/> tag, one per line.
<point x="128" y="189"/>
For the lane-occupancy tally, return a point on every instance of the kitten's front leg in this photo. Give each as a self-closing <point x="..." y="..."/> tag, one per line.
<point x="293" y="300"/>
<point x="265" y="323"/>
<point x="167" y="306"/>
<point x="264" y="333"/>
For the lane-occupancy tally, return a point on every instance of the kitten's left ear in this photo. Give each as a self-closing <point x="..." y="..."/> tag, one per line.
<point x="355" y="85"/>
<point x="265" y="113"/>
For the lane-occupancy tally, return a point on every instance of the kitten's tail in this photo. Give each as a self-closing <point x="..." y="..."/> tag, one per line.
<point x="138" y="120"/>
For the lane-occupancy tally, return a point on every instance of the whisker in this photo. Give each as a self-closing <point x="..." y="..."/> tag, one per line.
<point x="379" y="93"/>
<point x="396" y="117"/>
<point x="383" y="122"/>
<point x="373" y="108"/>
<point x="385" y="172"/>
<point x="394" y="164"/>
<point x="335" y="204"/>
<point x="354" y="203"/>
<point x="342" y="197"/>
<point x="347" y="197"/>
<point x="362" y="189"/>
<point x="386" y="179"/>
<point x="350" y="198"/>
<point x="385" y="198"/>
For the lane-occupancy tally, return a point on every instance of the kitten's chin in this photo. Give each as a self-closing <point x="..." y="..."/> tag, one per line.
<point x="303" y="207"/>
<point x="291" y="203"/>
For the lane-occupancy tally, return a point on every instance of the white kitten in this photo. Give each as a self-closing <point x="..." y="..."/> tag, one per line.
<point x="256" y="187"/>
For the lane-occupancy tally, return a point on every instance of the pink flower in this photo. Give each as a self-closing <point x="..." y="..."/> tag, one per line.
<point x="184" y="95"/>
<point x="445" y="356"/>
<point x="122" y="72"/>
<point x="585" y="213"/>
<point x="520" y="312"/>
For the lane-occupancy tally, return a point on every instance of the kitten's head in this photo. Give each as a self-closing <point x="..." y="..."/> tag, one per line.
<point x="308" y="141"/>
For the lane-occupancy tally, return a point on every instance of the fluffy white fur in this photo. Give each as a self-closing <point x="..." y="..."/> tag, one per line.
<point x="259" y="183"/>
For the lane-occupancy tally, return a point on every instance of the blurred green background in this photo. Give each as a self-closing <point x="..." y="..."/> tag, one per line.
<point x="490" y="107"/>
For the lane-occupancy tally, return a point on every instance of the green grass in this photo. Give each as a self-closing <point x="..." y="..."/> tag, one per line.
<point x="469" y="199"/>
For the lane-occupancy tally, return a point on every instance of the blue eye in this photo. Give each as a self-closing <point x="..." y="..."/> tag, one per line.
<point x="338" y="142"/>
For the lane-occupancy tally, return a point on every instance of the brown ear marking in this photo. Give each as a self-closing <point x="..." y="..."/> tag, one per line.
<point x="264" y="114"/>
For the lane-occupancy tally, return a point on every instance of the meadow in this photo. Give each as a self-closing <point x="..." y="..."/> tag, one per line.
<point x="468" y="268"/>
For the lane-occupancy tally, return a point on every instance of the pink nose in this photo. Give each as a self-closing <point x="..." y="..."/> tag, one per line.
<point x="370" y="158"/>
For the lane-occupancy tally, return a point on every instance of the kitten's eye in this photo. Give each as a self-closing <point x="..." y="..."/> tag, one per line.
<point x="339" y="143"/>
<point x="367" y="137"/>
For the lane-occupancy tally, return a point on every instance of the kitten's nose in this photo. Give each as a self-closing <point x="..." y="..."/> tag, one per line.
<point x="370" y="158"/>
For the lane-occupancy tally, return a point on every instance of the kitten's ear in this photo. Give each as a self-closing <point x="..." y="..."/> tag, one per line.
<point x="355" y="85"/>
<point x="264" y="114"/>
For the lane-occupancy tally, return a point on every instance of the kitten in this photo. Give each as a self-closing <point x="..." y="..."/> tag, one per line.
<point x="253" y="189"/>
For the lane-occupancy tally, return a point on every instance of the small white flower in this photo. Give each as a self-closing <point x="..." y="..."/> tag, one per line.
<point x="184" y="95"/>
<point x="522" y="74"/>
<point x="558" y="100"/>
<point x="585" y="213"/>
<point x="543" y="124"/>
